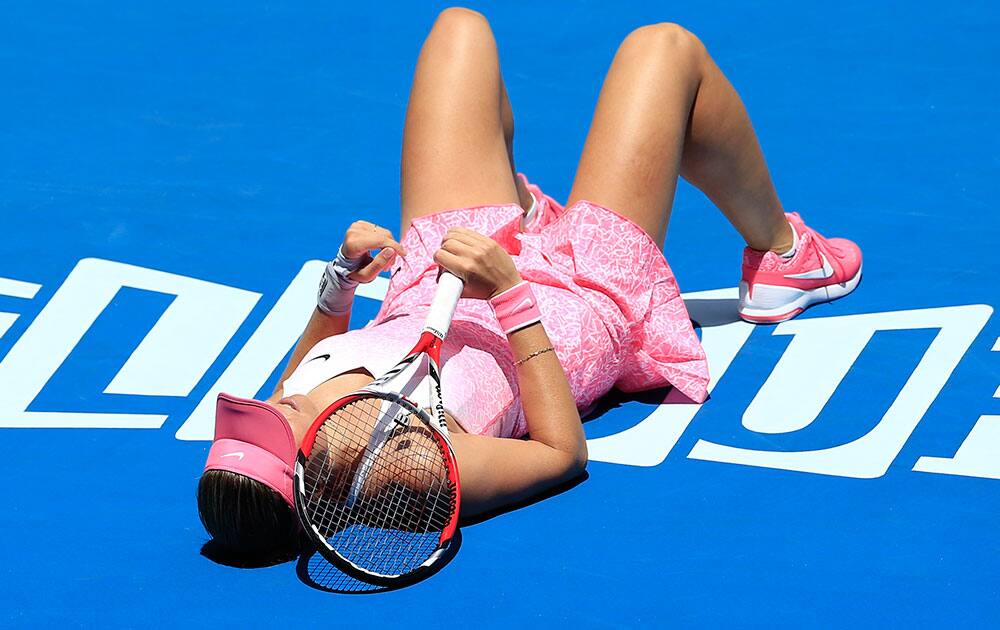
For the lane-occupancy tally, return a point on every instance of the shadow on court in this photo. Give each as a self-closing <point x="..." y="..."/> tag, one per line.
<point x="316" y="572"/>
<point x="707" y="312"/>
<point x="220" y="555"/>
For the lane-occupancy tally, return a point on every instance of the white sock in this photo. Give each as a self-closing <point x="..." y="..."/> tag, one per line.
<point x="795" y="243"/>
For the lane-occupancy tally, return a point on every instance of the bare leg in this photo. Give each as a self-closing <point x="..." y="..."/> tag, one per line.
<point x="666" y="110"/>
<point x="458" y="138"/>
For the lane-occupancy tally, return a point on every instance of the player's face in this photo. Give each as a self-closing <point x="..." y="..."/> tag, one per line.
<point x="300" y="412"/>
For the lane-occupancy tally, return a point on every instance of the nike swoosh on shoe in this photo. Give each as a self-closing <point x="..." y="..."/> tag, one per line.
<point x="816" y="274"/>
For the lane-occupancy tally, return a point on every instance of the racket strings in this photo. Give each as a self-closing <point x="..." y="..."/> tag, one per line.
<point x="388" y="526"/>
<point x="381" y="503"/>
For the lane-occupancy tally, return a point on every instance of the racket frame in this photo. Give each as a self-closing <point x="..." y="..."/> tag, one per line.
<point x="429" y="344"/>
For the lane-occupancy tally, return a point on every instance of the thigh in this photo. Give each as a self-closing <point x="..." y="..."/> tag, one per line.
<point x="632" y="156"/>
<point x="455" y="144"/>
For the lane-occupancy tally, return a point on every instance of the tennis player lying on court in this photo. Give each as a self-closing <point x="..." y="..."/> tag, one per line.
<point x="562" y="304"/>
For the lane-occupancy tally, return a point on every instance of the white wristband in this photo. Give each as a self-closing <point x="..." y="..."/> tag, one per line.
<point x="336" y="289"/>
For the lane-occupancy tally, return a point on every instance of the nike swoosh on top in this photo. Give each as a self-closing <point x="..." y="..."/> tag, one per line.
<point x="239" y="454"/>
<point x="325" y="357"/>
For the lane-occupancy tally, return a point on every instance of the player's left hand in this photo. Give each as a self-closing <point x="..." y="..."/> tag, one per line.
<point x="478" y="260"/>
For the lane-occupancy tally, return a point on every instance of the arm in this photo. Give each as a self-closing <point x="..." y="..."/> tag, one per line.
<point x="361" y="238"/>
<point x="496" y="471"/>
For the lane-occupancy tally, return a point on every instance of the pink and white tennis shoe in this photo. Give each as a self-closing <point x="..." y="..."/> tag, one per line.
<point x="774" y="288"/>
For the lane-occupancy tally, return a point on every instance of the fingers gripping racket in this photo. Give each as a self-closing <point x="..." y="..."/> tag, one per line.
<point x="376" y="483"/>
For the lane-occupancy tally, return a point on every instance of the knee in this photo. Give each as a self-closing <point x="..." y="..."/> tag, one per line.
<point x="461" y="35"/>
<point x="665" y="41"/>
<point x="459" y="22"/>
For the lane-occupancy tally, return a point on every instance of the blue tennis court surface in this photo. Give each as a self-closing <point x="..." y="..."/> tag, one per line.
<point x="171" y="174"/>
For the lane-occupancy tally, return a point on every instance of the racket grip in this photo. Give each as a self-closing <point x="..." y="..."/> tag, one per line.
<point x="443" y="305"/>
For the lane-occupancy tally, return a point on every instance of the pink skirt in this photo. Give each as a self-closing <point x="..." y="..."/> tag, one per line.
<point x="609" y="301"/>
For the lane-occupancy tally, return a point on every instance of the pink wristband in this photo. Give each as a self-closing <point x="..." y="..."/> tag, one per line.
<point x="516" y="308"/>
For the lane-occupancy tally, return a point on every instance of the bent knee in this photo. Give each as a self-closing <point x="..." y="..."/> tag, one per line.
<point x="462" y="34"/>
<point x="459" y="21"/>
<point x="665" y="40"/>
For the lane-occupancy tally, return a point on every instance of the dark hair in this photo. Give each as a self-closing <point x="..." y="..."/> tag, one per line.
<point x="244" y="516"/>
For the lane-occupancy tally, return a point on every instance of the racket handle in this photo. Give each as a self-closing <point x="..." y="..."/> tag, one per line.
<point x="443" y="305"/>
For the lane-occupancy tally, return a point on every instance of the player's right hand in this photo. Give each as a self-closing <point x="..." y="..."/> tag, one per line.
<point x="361" y="239"/>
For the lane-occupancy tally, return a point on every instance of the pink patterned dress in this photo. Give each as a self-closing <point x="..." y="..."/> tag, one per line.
<point x="609" y="303"/>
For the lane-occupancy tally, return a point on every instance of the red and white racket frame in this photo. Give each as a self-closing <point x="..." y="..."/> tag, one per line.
<point x="429" y="344"/>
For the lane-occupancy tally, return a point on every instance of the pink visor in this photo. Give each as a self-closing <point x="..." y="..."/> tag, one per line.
<point x="253" y="439"/>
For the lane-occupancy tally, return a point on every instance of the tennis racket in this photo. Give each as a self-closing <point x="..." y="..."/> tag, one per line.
<point x="376" y="483"/>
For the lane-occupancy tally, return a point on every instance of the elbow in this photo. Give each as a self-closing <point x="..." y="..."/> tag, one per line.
<point x="567" y="462"/>
<point x="582" y="458"/>
<point x="578" y="453"/>
<point x="576" y="462"/>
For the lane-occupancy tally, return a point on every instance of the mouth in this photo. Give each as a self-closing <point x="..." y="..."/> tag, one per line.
<point x="289" y="403"/>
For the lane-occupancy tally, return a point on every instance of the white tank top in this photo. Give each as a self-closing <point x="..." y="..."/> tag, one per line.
<point x="474" y="388"/>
